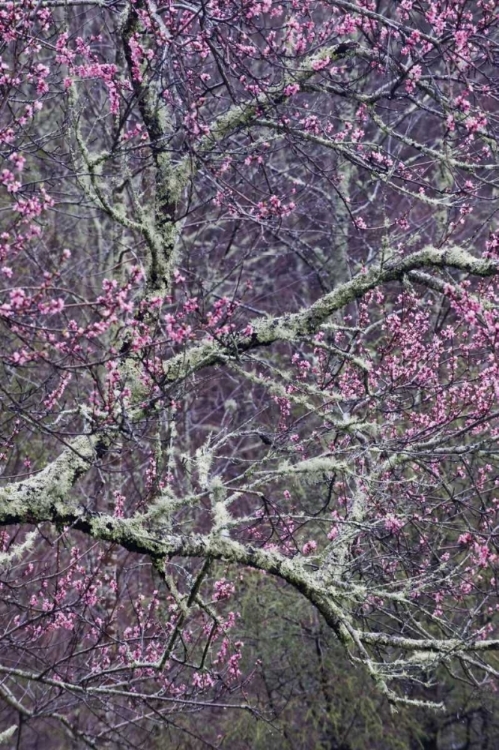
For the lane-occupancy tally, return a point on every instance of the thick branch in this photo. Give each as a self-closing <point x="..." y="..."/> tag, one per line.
<point x="45" y="497"/>
<point x="308" y="321"/>
<point x="450" y="646"/>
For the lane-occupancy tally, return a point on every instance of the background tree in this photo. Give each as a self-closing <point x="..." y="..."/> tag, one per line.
<point x="249" y="321"/>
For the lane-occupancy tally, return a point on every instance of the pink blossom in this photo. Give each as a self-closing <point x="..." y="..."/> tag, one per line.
<point x="309" y="547"/>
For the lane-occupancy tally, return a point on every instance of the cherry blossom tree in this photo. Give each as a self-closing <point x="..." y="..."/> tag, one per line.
<point x="249" y="320"/>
